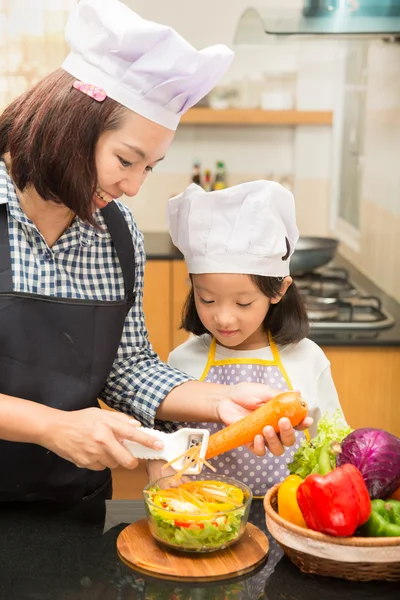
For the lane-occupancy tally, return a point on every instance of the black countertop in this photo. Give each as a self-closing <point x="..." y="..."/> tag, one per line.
<point x="158" y="246"/>
<point x="50" y="557"/>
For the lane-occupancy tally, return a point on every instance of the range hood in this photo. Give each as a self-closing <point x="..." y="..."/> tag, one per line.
<point x="326" y="18"/>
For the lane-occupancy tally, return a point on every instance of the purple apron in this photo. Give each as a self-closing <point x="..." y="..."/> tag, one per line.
<point x="259" y="473"/>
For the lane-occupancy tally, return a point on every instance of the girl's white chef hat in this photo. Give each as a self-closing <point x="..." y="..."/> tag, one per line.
<point x="147" y="67"/>
<point x="249" y="228"/>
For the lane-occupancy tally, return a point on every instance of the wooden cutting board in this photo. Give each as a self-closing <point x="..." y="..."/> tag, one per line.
<point x="139" y="550"/>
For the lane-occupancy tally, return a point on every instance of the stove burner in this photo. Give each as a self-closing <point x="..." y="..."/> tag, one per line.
<point x="332" y="283"/>
<point x="321" y="309"/>
<point x="332" y="301"/>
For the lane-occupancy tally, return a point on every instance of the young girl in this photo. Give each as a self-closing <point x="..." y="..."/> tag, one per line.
<point x="247" y="316"/>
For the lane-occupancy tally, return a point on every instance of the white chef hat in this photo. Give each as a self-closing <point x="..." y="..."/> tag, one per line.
<point x="241" y="229"/>
<point x="147" y="67"/>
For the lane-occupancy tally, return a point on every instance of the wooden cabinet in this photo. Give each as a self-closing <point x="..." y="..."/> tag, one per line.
<point x="368" y="382"/>
<point x="180" y="289"/>
<point x="128" y="484"/>
<point x="166" y="285"/>
<point x="157" y="305"/>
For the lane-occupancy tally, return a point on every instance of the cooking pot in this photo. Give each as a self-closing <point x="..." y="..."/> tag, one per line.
<point x="312" y="253"/>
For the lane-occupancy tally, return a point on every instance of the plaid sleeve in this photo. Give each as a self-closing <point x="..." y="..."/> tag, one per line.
<point x="139" y="380"/>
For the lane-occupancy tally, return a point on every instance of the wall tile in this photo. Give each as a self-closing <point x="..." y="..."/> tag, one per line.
<point x="312" y="206"/>
<point x="313" y="152"/>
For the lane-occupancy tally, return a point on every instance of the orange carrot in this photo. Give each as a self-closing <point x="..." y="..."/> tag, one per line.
<point x="287" y="404"/>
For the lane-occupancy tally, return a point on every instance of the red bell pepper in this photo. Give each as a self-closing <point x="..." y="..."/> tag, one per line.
<point x="336" y="503"/>
<point x="189" y="524"/>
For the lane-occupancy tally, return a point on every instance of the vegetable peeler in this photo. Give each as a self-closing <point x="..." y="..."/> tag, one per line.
<point x="175" y="445"/>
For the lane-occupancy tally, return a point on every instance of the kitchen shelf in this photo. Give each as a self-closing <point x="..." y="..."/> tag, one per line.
<point x="255" y="116"/>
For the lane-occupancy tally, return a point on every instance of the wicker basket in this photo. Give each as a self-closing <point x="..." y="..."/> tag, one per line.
<point x="352" y="558"/>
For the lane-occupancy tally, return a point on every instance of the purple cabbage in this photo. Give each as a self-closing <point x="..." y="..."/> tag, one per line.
<point x="376" y="453"/>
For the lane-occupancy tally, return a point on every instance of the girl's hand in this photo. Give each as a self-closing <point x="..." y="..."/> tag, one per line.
<point x="244" y="398"/>
<point x="91" y="438"/>
<point x="155" y="469"/>
<point x="276" y="443"/>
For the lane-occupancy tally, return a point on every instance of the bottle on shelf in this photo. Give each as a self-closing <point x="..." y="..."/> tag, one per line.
<point x="220" y="177"/>
<point x="196" y="177"/>
<point x="207" y="180"/>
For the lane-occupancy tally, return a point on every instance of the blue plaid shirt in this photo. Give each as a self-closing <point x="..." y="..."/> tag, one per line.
<point x="84" y="264"/>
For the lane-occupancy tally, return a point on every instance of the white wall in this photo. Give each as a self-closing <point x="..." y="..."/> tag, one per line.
<point x="249" y="153"/>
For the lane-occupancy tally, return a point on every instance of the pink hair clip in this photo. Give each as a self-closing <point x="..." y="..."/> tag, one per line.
<point x="90" y="90"/>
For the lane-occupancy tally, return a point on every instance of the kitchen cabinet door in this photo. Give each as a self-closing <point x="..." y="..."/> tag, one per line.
<point x="180" y="289"/>
<point x="367" y="381"/>
<point x="157" y="305"/>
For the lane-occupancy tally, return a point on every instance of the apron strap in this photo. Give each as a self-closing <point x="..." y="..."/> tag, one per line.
<point x="277" y="360"/>
<point x="274" y="349"/>
<point x="124" y="247"/>
<point x="6" y="283"/>
<point x="120" y="235"/>
<point x="210" y="358"/>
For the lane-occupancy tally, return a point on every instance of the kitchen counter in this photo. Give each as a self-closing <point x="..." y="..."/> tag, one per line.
<point x="158" y="246"/>
<point x="73" y="557"/>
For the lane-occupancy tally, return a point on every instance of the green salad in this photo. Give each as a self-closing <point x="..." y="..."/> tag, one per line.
<point x="201" y="515"/>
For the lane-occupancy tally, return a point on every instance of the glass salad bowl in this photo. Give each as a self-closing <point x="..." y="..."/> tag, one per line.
<point x="202" y="513"/>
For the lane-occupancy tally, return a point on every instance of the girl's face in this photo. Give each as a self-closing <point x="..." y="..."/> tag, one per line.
<point x="233" y="309"/>
<point x="125" y="156"/>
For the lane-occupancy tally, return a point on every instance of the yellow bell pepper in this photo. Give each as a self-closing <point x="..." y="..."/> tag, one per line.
<point x="288" y="507"/>
<point x="219" y="489"/>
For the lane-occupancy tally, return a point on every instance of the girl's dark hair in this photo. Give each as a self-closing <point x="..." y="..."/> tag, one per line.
<point x="287" y="320"/>
<point x="51" y="132"/>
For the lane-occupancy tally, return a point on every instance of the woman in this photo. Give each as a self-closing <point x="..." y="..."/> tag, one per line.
<point x="72" y="259"/>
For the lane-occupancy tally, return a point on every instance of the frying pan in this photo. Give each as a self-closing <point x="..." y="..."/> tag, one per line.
<point x="311" y="253"/>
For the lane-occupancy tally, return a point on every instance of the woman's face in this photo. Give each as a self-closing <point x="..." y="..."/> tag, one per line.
<point x="125" y="156"/>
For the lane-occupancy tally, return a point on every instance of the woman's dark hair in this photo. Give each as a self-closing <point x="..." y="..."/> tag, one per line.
<point x="51" y="132"/>
<point x="287" y="320"/>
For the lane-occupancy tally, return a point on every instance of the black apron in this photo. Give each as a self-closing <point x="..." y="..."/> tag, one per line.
<point x="57" y="352"/>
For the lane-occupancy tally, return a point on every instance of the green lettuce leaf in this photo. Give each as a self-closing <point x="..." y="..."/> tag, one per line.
<point x="213" y="535"/>
<point x="330" y="428"/>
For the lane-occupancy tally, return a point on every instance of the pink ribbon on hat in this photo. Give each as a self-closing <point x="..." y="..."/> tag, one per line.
<point x="90" y="90"/>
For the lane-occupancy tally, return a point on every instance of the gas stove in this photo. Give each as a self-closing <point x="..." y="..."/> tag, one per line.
<point x="334" y="302"/>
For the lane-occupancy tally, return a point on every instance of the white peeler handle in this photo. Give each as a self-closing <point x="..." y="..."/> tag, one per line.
<point x="140" y="451"/>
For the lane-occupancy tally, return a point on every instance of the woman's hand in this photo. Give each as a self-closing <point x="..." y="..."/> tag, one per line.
<point x="91" y="438"/>
<point x="242" y="399"/>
